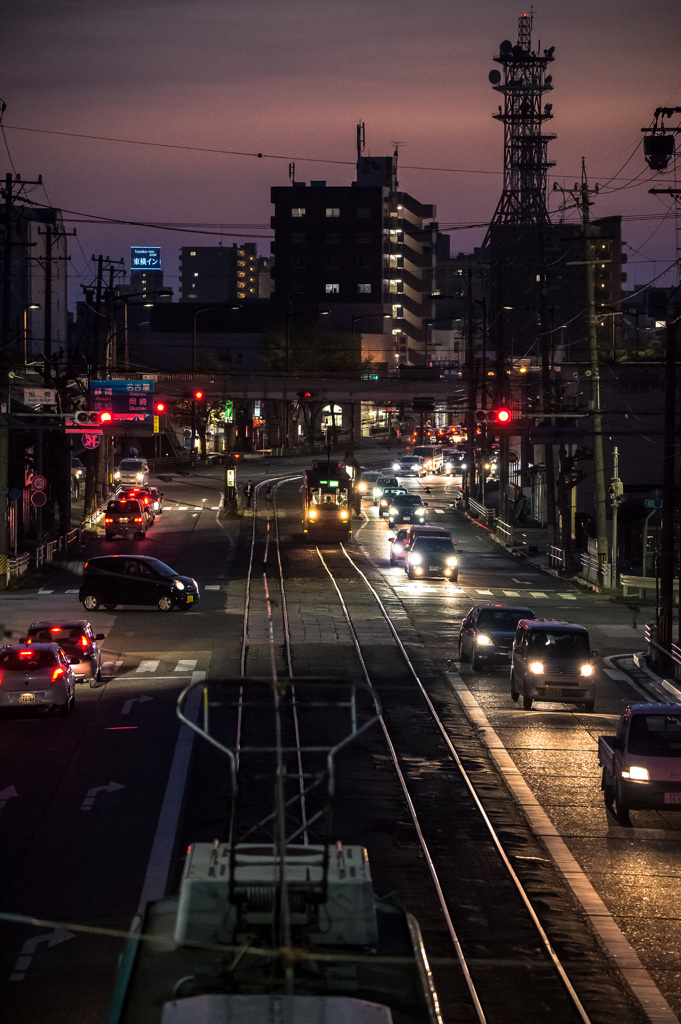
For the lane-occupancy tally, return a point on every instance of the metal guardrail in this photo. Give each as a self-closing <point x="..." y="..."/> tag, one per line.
<point x="18" y="566"/>
<point x="505" y="531"/>
<point x="481" y="512"/>
<point x="556" y="556"/>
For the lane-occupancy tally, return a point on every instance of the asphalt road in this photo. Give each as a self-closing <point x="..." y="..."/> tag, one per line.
<point x="92" y="820"/>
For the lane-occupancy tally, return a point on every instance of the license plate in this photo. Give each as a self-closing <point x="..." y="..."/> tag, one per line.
<point x="190" y="598"/>
<point x="672" y="798"/>
<point x="554" y="693"/>
<point x="124" y="520"/>
<point x="434" y="568"/>
<point x="27" y="698"/>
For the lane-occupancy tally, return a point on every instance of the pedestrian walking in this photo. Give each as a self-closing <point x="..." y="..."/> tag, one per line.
<point x="268" y="496"/>
<point x="248" y="492"/>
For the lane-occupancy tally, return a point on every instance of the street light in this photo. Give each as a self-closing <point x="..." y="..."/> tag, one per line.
<point x="160" y="293"/>
<point x="31" y="305"/>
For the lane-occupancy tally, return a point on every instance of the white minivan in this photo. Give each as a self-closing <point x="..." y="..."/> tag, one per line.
<point x="132" y="471"/>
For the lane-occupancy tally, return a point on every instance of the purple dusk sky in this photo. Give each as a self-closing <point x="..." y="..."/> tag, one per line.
<point x="290" y="79"/>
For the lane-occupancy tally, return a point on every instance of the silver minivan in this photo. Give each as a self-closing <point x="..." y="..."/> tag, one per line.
<point x="552" y="660"/>
<point x="132" y="471"/>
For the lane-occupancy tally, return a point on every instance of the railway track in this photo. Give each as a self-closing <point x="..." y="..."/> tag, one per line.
<point x="495" y="891"/>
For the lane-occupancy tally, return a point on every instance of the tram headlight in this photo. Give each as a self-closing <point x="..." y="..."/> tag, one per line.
<point x="344" y="514"/>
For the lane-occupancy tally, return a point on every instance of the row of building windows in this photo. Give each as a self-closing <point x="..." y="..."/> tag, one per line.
<point x="333" y="288"/>
<point x="362" y="212"/>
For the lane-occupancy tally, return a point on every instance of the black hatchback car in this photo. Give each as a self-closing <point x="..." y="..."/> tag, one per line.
<point x="135" y="579"/>
<point x="407" y="508"/>
<point x="487" y="633"/>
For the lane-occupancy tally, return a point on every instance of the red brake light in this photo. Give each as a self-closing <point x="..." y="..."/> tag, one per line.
<point x="57" y="674"/>
<point x="55" y="629"/>
<point x="83" y="641"/>
<point x="138" y="519"/>
<point x="25" y="654"/>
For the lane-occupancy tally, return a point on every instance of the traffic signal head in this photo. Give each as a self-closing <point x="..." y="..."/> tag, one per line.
<point x="198" y="395"/>
<point x="105" y="417"/>
<point x="159" y="406"/>
<point x="500" y="414"/>
<point x="302" y="395"/>
<point x="90" y="419"/>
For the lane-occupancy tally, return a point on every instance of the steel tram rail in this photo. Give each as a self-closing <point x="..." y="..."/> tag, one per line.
<point x="546" y="944"/>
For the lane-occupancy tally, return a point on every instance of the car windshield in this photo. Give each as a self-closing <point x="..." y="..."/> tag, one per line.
<point x="559" y="645"/>
<point x="131" y="464"/>
<point x="434" y="545"/>
<point x="655" y="735"/>
<point x="407" y="499"/>
<point x="28" y="659"/>
<point x="505" y="619"/>
<point x="160" y="568"/>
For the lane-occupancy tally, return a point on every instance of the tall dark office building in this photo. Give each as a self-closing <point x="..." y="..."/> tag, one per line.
<point x="217" y="273"/>
<point x="364" y="252"/>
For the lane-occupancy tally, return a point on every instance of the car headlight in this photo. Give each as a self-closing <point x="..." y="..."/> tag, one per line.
<point x="420" y="511"/>
<point x="451" y="561"/>
<point x="361" y="487"/>
<point x="586" y="670"/>
<point x="377" y="491"/>
<point x="384" y="501"/>
<point x="396" y="467"/>
<point x="140" y="477"/>
<point x="344" y="513"/>
<point x="415" y="560"/>
<point x="117" y="475"/>
<point x="482" y="640"/>
<point x="179" y="584"/>
<point x="536" y="667"/>
<point x="398" y="549"/>
<point x="392" y="511"/>
<point x="637" y="773"/>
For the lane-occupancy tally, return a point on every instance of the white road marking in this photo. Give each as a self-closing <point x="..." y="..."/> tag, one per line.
<point x="186" y="665"/>
<point x="512" y="593"/>
<point x="127" y="707"/>
<point x="538" y="593"/>
<point x="181" y="508"/>
<point x="147" y="666"/>
<point x="93" y="793"/>
<point x="156" y="879"/>
<point x="7" y="793"/>
<point x="44" y="591"/>
<point x="52" y="938"/>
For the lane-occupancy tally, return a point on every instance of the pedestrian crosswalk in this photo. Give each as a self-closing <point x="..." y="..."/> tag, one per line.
<point x="487" y="596"/>
<point x="137" y="668"/>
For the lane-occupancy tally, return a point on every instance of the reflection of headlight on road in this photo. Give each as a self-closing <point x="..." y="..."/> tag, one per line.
<point x="483" y="641"/>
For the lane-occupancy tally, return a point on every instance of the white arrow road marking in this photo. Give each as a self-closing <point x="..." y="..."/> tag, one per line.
<point x="127" y="707"/>
<point x="44" y="591"/>
<point x="147" y="666"/>
<point x="6" y="794"/>
<point x="187" y="665"/>
<point x="52" y="938"/>
<point x="92" y="793"/>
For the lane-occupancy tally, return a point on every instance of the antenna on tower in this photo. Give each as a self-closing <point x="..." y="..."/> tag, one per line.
<point x="361" y="139"/>
<point x="292" y="173"/>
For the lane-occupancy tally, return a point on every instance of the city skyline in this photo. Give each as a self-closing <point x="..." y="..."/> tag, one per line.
<point x="153" y="114"/>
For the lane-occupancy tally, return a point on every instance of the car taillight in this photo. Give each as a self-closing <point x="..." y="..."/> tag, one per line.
<point x="25" y="654"/>
<point x="107" y="520"/>
<point x="84" y="642"/>
<point x="57" y="674"/>
<point x="55" y="629"/>
<point x="138" y="519"/>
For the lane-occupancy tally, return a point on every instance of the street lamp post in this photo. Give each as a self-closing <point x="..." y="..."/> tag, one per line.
<point x="31" y="305"/>
<point x="286" y="403"/>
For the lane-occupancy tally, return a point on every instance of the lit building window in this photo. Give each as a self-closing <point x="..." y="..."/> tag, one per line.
<point x="364" y="289"/>
<point x="298" y="211"/>
<point x="332" y="211"/>
<point x="332" y="289"/>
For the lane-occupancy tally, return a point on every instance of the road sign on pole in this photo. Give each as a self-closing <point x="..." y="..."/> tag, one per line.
<point x="38" y="483"/>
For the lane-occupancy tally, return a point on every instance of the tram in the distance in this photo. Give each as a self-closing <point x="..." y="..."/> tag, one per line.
<point x="327" y="501"/>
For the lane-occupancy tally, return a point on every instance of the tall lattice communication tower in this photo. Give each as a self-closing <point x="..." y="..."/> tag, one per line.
<point x="523" y="83"/>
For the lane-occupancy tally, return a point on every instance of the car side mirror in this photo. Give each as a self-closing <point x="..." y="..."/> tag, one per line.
<point x="425" y="504"/>
<point x="595" y="654"/>
<point x="100" y="636"/>
<point x="23" y="640"/>
<point x="161" y="493"/>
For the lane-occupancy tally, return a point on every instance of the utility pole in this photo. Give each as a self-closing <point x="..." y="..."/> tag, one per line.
<point x="7" y="220"/>
<point x="580" y="194"/>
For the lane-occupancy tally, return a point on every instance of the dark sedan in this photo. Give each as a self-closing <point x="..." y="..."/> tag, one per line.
<point x="407" y="508"/>
<point x="487" y="633"/>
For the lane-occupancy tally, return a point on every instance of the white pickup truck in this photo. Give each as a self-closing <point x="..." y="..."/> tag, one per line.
<point x="642" y="762"/>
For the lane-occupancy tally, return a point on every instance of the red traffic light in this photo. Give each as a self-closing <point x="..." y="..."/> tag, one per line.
<point x="198" y="395"/>
<point x="503" y="415"/>
<point x="160" y="407"/>
<point x="105" y="417"/>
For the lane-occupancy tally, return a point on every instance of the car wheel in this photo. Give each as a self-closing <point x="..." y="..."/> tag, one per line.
<point x="410" y="574"/>
<point x="392" y="561"/>
<point x="476" y="662"/>
<point x="514" y="692"/>
<point x="90" y="603"/>
<point x="461" y="652"/>
<point x="165" y="603"/>
<point x="527" y="702"/>
<point x="621" y="809"/>
<point x="98" y="675"/>
<point x="589" y="705"/>
<point x="65" y="709"/>
<point x="454" y="579"/>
